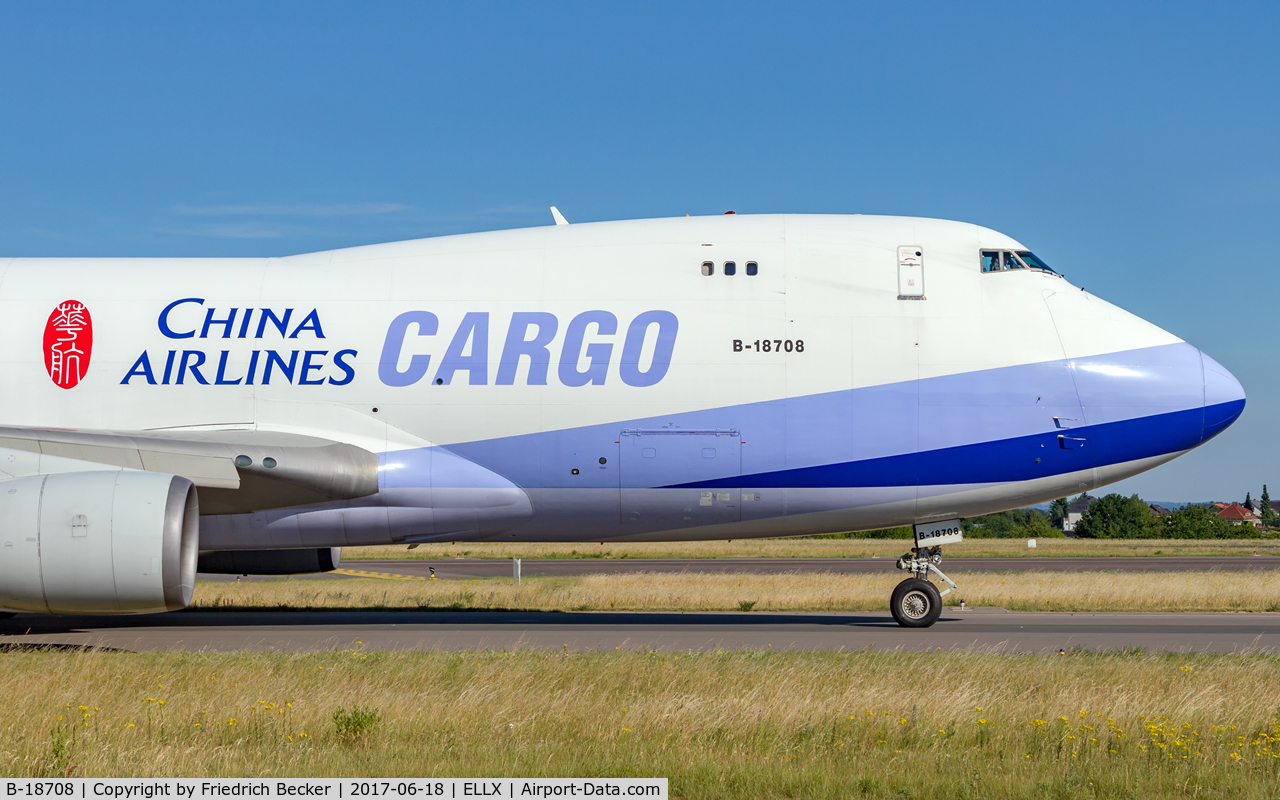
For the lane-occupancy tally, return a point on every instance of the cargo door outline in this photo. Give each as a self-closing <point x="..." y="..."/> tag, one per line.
<point x="649" y="459"/>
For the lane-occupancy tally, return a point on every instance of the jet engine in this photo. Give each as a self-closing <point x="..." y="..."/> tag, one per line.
<point x="106" y="542"/>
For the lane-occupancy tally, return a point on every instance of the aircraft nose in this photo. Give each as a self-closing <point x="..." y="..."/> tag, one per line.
<point x="1223" y="397"/>
<point x="1155" y="401"/>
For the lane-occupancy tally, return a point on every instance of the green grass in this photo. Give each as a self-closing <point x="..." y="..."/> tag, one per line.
<point x="792" y="591"/>
<point x="732" y="725"/>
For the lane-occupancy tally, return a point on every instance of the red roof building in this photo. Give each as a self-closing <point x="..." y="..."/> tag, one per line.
<point x="1239" y="515"/>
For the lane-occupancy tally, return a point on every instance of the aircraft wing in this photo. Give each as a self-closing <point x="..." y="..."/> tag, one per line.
<point x="236" y="471"/>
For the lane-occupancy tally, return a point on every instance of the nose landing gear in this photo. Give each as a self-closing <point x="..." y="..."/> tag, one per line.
<point x="917" y="603"/>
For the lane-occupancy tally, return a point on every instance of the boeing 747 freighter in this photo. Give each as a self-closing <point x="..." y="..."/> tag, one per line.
<point x="672" y="379"/>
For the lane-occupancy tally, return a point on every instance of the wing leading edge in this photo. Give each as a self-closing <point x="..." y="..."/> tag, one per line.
<point x="236" y="471"/>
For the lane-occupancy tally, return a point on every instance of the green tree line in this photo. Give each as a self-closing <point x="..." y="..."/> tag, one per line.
<point x="1115" y="516"/>
<point x="1112" y="516"/>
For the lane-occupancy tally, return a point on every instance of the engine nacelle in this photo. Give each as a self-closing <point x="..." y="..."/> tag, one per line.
<point x="269" y="562"/>
<point x="98" y="543"/>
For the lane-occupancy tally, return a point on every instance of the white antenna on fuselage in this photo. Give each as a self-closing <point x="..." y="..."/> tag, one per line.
<point x="559" y="218"/>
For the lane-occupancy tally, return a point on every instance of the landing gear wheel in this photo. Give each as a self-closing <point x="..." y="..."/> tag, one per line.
<point x="915" y="603"/>
<point x="7" y="615"/>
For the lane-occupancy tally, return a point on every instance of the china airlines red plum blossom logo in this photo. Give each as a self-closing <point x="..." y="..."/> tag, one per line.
<point x="68" y="343"/>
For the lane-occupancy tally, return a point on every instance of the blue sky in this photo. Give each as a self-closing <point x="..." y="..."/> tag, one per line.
<point x="1133" y="146"/>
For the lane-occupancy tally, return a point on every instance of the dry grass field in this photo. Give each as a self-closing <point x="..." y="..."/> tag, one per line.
<point x="733" y="725"/>
<point x="1028" y="591"/>
<point x="822" y="548"/>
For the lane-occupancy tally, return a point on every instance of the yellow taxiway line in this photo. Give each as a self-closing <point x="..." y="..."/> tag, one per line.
<point x="387" y="576"/>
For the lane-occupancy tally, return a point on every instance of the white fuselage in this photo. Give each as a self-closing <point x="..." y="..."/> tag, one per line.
<point x="588" y="382"/>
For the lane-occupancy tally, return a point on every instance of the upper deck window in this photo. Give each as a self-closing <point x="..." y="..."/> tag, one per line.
<point x="730" y="268"/>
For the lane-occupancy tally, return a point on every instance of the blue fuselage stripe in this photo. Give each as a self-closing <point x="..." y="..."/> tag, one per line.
<point x="1017" y="459"/>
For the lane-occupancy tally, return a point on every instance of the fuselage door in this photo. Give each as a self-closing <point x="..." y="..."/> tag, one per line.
<point x="910" y="272"/>
<point x="680" y="478"/>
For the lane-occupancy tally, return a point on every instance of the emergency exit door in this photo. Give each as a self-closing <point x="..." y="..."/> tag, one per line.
<point x="910" y="272"/>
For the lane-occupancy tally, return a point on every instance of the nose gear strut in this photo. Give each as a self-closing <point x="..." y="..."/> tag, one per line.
<point x="923" y="560"/>
<point x="917" y="603"/>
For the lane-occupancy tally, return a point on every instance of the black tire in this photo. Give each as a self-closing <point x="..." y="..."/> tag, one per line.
<point x="6" y="615"/>
<point x="915" y="603"/>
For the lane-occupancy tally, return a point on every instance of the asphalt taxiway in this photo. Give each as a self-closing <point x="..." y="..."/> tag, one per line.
<point x="974" y="628"/>
<point x="309" y="631"/>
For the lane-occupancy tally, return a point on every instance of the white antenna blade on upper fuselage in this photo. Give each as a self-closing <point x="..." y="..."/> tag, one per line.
<point x="559" y="218"/>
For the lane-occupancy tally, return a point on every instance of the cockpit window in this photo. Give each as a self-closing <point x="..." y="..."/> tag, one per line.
<point x="1002" y="260"/>
<point x="1034" y="262"/>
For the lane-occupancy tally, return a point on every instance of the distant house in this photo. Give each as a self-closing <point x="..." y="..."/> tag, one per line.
<point x="1158" y="510"/>
<point x="1076" y="510"/>
<point x="1239" y="515"/>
